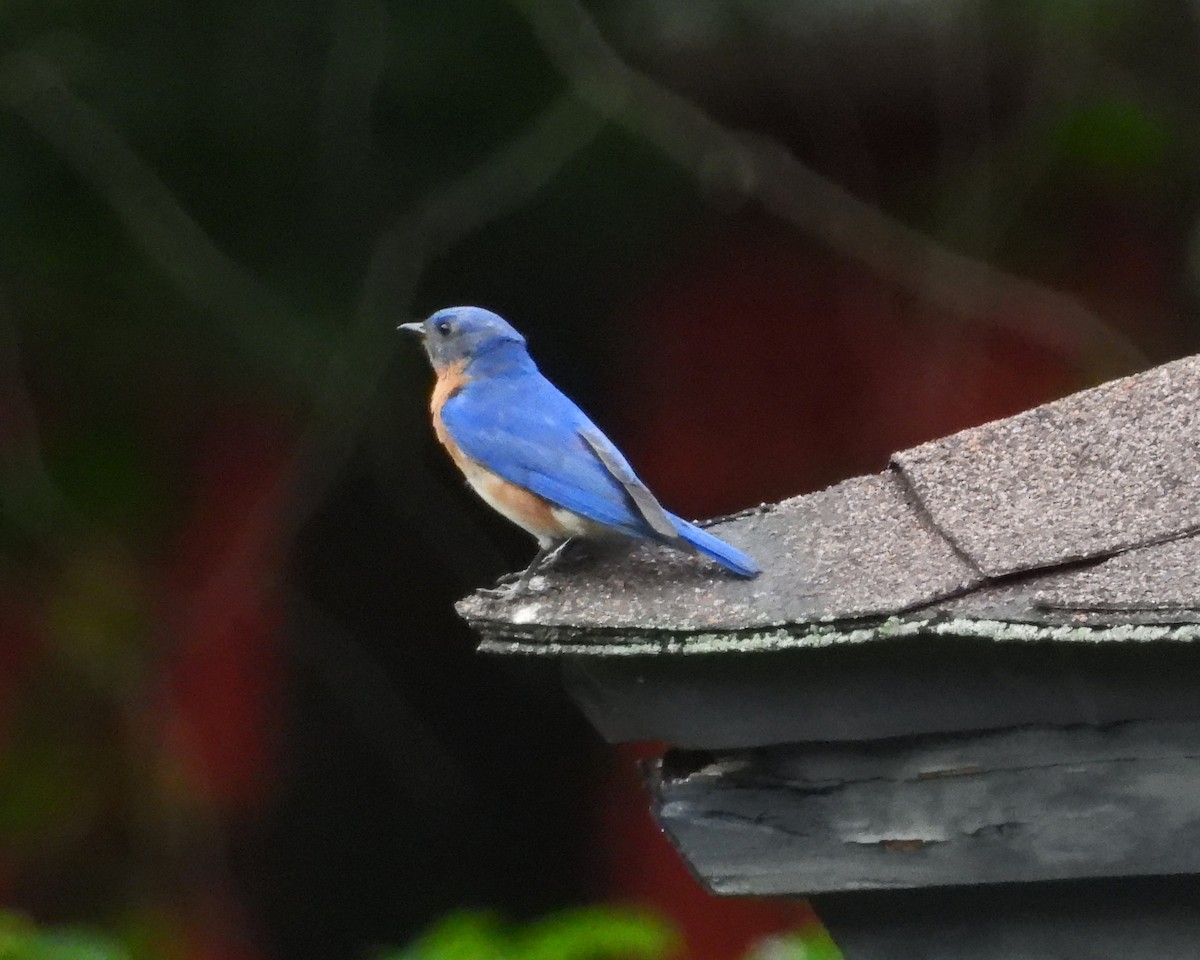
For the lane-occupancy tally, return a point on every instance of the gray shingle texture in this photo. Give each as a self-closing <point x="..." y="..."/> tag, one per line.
<point x="1165" y="576"/>
<point x="1097" y="472"/>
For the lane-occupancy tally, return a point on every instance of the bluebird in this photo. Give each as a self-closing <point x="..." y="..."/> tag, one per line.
<point x="532" y="454"/>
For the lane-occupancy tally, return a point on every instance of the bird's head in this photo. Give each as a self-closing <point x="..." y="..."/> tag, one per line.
<point x="456" y="334"/>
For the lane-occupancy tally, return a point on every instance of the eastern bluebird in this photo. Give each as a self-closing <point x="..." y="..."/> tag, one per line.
<point x="532" y="454"/>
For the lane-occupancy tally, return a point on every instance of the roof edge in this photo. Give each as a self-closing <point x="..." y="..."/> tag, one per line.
<point x="820" y="636"/>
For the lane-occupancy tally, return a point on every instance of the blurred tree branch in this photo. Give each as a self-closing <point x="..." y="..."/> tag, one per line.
<point x="29" y="497"/>
<point x="1004" y="175"/>
<point x="34" y="89"/>
<point x="337" y="382"/>
<point x="356" y="63"/>
<point x="338" y="379"/>
<point x="500" y="184"/>
<point x="760" y="168"/>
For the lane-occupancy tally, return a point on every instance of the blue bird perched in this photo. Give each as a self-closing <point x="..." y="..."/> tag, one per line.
<point x="532" y="454"/>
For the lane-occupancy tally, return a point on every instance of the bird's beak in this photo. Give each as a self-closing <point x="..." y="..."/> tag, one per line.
<point x="417" y="328"/>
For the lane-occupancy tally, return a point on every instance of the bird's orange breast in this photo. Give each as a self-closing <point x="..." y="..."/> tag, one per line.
<point x="450" y="380"/>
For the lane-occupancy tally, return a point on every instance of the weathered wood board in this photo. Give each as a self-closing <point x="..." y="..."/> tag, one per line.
<point x="1022" y="805"/>
<point x="900" y="688"/>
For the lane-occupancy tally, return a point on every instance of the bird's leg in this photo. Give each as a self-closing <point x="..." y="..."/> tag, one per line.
<point x="518" y="583"/>
<point x="546" y="557"/>
<point x="555" y="554"/>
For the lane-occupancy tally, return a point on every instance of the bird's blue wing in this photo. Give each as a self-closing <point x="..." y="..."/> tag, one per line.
<point x="524" y="429"/>
<point x="527" y="431"/>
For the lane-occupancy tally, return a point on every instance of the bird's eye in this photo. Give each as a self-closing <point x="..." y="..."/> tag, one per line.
<point x="442" y="327"/>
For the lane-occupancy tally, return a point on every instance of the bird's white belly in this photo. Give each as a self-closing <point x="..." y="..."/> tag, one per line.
<point x="574" y="525"/>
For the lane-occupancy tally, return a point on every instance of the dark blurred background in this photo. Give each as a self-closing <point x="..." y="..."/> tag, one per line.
<point x="764" y="244"/>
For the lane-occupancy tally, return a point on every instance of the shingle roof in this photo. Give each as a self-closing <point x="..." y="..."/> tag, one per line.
<point x="1097" y="472"/>
<point x="1071" y="521"/>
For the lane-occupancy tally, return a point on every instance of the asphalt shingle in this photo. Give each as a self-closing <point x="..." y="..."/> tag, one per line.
<point x="1099" y="471"/>
<point x="1164" y="577"/>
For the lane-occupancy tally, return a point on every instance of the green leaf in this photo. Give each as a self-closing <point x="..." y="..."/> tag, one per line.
<point x="21" y="940"/>
<point x="460" y="936"/>
<point x="595" y="933"/>
<point x="591" y="933"/>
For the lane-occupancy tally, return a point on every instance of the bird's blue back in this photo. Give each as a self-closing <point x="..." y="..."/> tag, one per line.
<point x="519" y="425"/>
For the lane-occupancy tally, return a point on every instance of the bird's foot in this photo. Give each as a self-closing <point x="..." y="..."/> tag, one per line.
<point x="511" y="586"/>
<point x="514" y="585"/>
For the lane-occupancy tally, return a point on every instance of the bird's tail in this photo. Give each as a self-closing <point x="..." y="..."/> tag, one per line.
<point x="729" y="557"/>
